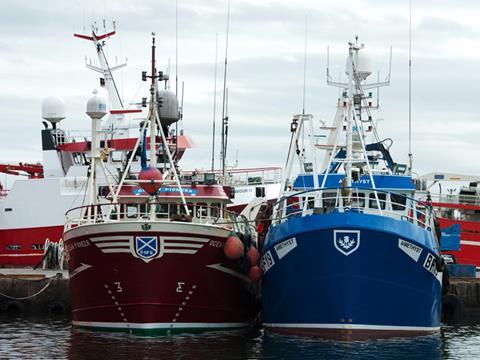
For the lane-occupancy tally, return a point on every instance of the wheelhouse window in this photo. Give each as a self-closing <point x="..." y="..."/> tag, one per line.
<point x="329" y="199"/>
<point x="132" y="211"/>
<point x="358" y="200"/>
<point x="398" y="201"/>
<point x="162" y="211"/>
<point x="373" y="200"/>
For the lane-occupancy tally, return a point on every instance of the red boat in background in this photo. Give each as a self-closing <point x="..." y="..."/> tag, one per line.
<point x="460" y="205"/>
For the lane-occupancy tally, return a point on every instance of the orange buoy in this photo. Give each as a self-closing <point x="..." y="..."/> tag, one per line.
<point x="153" y="175"/>
<point x="233" y="248"/>
<point x="253" y="255"/>
<point x="255" y="273"/>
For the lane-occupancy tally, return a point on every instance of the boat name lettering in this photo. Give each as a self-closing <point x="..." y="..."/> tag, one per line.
<point x="360" y="181"/>
<point x="177" y="190"/>
<point x="215" y="243"/>
<point x="285" y="247"/>
<point x="410" y="249"/>
<point x="430" y="264"/>
<point x="246" y="190"/>
<point x="81" y="244"/>
<point x="266" y="261"/>
<point x="188" y="191"/>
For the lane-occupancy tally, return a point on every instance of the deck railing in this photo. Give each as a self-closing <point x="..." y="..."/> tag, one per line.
<point x="365" y="201"/>
<point x="461" y="199"/>
<point x="155" y="213"/>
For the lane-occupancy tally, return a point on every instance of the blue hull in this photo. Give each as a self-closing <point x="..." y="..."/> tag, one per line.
<point x="350" y="273"/>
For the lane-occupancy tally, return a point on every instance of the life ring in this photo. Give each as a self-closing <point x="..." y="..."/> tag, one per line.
<point x="453" y="309"/>
<point x="13" y="307"/>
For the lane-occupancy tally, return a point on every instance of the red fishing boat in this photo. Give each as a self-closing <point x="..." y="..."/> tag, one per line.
<point x="156" y="254"/>
<point x="458" y="205"/>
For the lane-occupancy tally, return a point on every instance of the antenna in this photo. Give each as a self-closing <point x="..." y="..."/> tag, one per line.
<point x="226" y="125"/>
<point x="214" y="102"/>
<point x="224" y="119"/>
<point x="305" y="64"/>
<point x="181" y="106"/>
<point x="410" y="157"/>
<point x="176" y="49"/>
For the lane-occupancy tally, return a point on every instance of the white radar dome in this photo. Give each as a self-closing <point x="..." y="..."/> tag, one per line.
<point x="54" y="109"/>
<point x="362" y="65"/>
<point x="97" y="105"/>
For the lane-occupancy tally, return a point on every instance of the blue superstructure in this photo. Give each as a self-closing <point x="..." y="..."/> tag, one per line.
<point x="350" y="254"/>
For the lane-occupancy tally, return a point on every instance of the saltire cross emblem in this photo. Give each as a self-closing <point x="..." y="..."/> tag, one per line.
<point x="346" y="241"/>
<point x="147" y="247"/>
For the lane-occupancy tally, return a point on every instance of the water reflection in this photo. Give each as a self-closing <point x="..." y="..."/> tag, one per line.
<point x="221" y="345"/>
<point x="54" y="339"/>
<point x="288" y="347"/>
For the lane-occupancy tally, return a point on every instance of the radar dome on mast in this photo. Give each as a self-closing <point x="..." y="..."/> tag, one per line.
<point x="168" y="110"/>
<point x="361" y="64"/>
<point x="54" y="109"/>
<point x="97" y="105"/>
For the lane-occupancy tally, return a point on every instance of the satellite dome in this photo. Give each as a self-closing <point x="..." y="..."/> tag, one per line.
<point x="168" y="110"/>
<point x="362" y="65"/>
<point x="97" y="105"/>
<point x="54" y="109"/>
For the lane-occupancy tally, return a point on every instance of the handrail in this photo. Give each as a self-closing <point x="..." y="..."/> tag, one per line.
<point x="461" y="199"/>
<point x="412" y="210"/>
<point x="79" y="216"/>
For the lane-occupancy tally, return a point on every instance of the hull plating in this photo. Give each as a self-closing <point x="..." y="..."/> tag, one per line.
<point x="187" y="285"/>
<point x="382" y="282"/>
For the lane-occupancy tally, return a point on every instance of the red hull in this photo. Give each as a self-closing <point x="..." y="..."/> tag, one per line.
<point x="469" y="252"/>
<point x="24" y="247"/>
<point x="174" y="291"/>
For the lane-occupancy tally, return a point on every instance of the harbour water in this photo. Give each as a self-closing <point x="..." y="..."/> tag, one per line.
<point x="29" y="338"/>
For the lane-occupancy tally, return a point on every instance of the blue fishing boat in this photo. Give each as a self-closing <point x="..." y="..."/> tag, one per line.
<point x="350" y="253"/>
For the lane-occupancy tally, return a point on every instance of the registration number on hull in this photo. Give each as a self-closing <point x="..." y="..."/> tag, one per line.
<point x="266" y="261"/>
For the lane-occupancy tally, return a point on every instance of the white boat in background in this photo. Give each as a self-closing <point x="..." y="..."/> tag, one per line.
<point x="32" y="211"/>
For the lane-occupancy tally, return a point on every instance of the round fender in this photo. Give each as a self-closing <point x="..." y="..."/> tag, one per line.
<point x="13" y="307"/>
<point x="58" y="308"/>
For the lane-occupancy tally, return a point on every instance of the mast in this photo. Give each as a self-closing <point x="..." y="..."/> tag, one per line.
<point x="153" y="126"/>
<point x="410" y="156"/>
<point x="348" y="159"/>
<point x="225" y="120"/>
<point x="214" y="102"/>
<point x="305" y="66"/>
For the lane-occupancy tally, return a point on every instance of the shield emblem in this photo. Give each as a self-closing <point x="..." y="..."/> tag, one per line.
<point x="346" y="241"/>
<point x="147" y="247"/>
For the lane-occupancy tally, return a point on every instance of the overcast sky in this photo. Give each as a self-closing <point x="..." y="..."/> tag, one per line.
<point x="39" y="57"/>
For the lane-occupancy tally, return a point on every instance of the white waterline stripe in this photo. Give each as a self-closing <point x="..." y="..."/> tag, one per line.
<point x="165" y="325"/>
<point x="352" y="327"/>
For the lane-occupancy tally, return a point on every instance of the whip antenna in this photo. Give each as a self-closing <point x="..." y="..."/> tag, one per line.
<point x="225" y="119"/>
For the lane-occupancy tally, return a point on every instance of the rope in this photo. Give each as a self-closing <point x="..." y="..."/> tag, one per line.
<point x="30" y="296"/>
